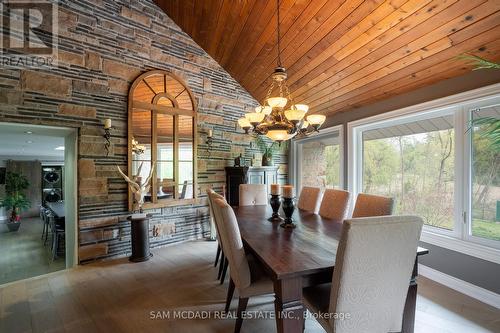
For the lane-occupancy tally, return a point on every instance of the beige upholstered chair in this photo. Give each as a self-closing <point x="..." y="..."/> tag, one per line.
<point x="334" y="204"/>
<point x="253" y="194"/>
<point x="246" y="275"/>
<point x="212" y="195"/>
<point x="309" y="199"/>
<point x="373" y="267"/>
<point x="372" y="205"/>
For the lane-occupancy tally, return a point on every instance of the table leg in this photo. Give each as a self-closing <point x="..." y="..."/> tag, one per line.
<point x="411" y="302"/>
<point x="288" y="305"/>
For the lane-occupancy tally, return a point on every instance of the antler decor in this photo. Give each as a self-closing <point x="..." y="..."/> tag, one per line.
<point x="138" y="188"/>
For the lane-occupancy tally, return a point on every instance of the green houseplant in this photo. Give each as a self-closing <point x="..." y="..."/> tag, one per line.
<point x="15" y="200"/>
<point x="267" y="149"/>
<point x="490" y="126"/>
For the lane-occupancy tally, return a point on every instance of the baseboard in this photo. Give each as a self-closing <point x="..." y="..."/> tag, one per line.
<point x="481" y="294"/>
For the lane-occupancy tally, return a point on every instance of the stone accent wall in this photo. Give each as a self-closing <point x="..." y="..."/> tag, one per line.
<point x="103" y="46"/>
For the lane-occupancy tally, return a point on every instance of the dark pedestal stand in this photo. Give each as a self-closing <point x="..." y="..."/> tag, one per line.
<point x="275" y="204"/>
<point x="140" y="237"/>
<point x="288" y="208"/>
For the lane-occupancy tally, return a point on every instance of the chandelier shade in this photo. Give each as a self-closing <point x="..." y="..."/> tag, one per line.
<point x="277" y="102"/>
<point x="294" y="115"/>
<point x="255" y="118"/>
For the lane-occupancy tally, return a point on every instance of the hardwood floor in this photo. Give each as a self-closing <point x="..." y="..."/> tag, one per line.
<point x="118" y="296"/>
<point x="22" y="253"/>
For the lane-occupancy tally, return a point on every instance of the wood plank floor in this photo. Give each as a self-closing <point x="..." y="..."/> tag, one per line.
<point x="22" y="253"/>
<point x="118" y="296"/>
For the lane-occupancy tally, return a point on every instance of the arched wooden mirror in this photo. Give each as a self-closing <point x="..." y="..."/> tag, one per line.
<point x="162" y="131"/>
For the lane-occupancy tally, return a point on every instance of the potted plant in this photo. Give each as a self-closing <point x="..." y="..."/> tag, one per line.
<point x="267" y="150"/>
<point x="15" y="199"/>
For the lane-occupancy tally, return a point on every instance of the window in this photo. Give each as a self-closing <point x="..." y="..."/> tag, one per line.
<point x="485" y="173"/>
<point x="413" y="162"/>
<point x="162" y="127"/>
<point x="439" y="160"/>
<point x="319" y="160"/>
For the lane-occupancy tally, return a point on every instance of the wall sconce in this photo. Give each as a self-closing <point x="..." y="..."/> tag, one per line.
<point x="107" y="134"/>
<point x="209" y="141"/>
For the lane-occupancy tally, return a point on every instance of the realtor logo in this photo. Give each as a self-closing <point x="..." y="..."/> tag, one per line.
<point x="29" y="33"/>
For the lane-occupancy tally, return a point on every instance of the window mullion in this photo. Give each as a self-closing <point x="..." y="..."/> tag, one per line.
<point x="176" y="156"/>
<point x="154" y="141"/>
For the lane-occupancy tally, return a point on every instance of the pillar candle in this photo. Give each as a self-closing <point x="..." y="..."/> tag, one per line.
<point x="210" y="133"/>
<point x="288" y="191"/>
<point x="107" y="123"/>
<point x="275" y="189"/>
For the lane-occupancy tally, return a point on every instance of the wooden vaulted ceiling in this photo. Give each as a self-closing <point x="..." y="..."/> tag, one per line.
<point x="342" y="54"/>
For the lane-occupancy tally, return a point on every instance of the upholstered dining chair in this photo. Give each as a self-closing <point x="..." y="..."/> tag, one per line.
<point x="212" y="195"/>
<point x="309" y="199"/>
<point x="247" y="276"/>
<point x="372" y="205"/>
<point x="253" y="194"/>
<point x="373" y="267"/>
<point x="335" y="204"/>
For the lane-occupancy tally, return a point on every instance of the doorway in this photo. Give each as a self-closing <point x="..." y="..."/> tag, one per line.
<point x="40" y="163"/>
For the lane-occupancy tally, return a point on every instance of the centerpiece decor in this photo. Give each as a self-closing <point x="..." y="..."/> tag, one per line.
<point x="288" y="207"/>
<point x="275" y="203"/>
<point x="279" y="117"/>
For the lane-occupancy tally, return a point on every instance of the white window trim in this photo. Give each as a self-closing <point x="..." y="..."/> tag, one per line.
<point x="469" y="245"/>
<point x="294" y="155"/>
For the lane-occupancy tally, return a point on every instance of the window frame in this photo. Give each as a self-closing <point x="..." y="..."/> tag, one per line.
<point x="175" y="112"/>
<point x="461" y="238"/>
<point x="295" y="160"/>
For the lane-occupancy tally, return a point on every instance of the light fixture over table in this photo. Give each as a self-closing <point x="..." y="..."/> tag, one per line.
<point x="274" y="118"/>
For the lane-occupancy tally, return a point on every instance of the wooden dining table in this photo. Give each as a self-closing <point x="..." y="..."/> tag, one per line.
<point x="301" y="257"/>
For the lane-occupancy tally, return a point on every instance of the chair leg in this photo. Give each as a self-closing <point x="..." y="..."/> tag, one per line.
<point x="230" y="292"/>
<point x="221" y="264"/>
<point x="217" y="255"/>
<point x="242" y="306"/>
<point x="224" y="270"/>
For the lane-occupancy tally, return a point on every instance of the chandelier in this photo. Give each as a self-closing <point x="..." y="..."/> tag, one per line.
<point x="279" y="118"/>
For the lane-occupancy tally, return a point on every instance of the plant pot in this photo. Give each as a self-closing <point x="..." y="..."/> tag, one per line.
<point x="13" y="226"/>
<point x="267" y="160"/>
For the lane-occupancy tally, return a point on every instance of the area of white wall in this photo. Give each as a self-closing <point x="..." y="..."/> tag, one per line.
<point x="70" y="190"/>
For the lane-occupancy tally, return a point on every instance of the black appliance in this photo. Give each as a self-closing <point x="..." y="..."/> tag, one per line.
<point x="52" y="183"/>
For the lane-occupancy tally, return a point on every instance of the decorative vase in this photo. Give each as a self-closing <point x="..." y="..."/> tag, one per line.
<point x="267" y="160"/>
<point x="288" y="209"/>
<point x="275" y="205"/>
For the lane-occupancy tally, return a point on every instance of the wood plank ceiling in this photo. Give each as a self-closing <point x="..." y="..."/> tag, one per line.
<point x="342" y="54"/>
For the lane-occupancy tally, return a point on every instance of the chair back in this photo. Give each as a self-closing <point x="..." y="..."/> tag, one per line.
<point x="334" y="204"/>
<point x="309" y="199"/>
<point x="253" y="194"/>
<point x="212" y="195"/>
<point x="372" y="205"/>
<point x="187" y="190"/>
<point x="233" y="244"/>
<point x="373" y="267"/>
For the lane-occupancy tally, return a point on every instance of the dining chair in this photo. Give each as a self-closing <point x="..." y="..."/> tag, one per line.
<point x="335" y="204"/>
<point x="223" y="265"/>
<point x="247" y="276"/>
<point x="253" y="194"/>
<point x="372" y="205"/>
<point x="45" y="221"/>
<point x="373" y="267"/>
<point x="309" y="199"/>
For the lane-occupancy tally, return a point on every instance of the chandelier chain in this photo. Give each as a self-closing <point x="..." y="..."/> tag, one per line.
<point x="278" y="31"/>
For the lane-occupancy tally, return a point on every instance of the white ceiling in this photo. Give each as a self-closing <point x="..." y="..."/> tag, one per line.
<point x="16" y="143"/>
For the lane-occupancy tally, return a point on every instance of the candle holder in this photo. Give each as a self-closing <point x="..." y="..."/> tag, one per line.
<point x="288" y="208"/>
<point x="275" y="204"/>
